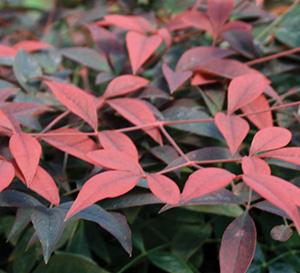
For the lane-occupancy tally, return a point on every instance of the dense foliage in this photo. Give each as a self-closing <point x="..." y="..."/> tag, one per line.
<point x="168" y="129"/>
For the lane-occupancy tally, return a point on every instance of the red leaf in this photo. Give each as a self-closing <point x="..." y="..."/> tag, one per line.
<point x="71" y="141"/>
<point x="76" y="100"/>
<point x="7" y="51"/>
<point x="200" y="55"/>
<point x="7" y="173"/>
<point x="124" y="84"/>
<point x="115" y="160"/>
<point x="140" y="48"/>
<point x="233" y="128"/>
<point x="201" y="79"/>
<point x="164" y="188"/>
<point x="133" y="23"/>
<point x="290" y="154"/>
<point x="44" y="185"/>
<point x="138" y="113"/>
<point x="31" y="46"/>
<point x="104" y="185"/>
<point x="218" y="12"/>
<point x="175" y="79"/>
<point x="166" y="36"/>
<point x="225" y="68"/>
<point x="27" y="151"/>
<point x="277" y="191"/>
<point x="253" y="164"/>
<point x="237" y="26"/>
<point x="205" y="181"/>
<point x="244" y="89"/>
<point x="238" y="245"/>
<point x="197" y="20"/>
<point x="270" y="138"/>
<point x="7" y="121"/>
<point x="114" y="140"/>
<point x="6" y="92"/>
<point x="261" y="120"/>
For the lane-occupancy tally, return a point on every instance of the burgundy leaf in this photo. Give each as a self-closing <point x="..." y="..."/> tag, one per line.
<point x="175" y="79"/>
<point x="218" y="12"/>
<point x="225" y="68"/>
<point x="196" y="56"/>
<point x="238" y="245"/>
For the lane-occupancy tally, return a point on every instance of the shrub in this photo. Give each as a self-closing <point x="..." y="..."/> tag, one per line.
<point x="177" y="108"/>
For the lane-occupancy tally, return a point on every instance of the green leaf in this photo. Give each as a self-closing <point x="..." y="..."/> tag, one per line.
<point x="79" y="242"/>
<point x="281" y="267"/>
<point x="23" y="259"/>
<point x="12" y="198"/>
<point x="288" y="31"/>
<point x="169" y="262"/>
<point x="189" y="239"/>
<point x="207" y="129"/>
<point x="49" y="225"/>
<point x="176" y="6"/>
<point x="87" y="57"/>
<point x="23" y="218"/>
<point x="70" y="263"/>
<point x="26" y="69"/>
<point x="114" y="223"/>
<point x="230" y="210"/>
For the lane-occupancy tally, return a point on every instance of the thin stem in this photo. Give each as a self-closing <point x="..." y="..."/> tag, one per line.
<point x="174" y="144"/>
<point x="200" y="162"/>
<point x="274" y="56"/>
<point x="176" y="147"/>
<point x="186" y="164"/>
<point x="55" y="121"/>
<point x="166" y="122"/>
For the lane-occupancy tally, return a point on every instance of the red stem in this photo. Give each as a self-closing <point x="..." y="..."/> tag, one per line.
<point x="274" y="56"/>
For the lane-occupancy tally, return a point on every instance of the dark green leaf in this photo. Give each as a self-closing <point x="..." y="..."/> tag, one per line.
<point x="12" y="198"/>
<point x="49" y="225"/>
<point x="184" y="113"/>
<point x="87" y="57"/>
<point x="70" y="263"/>
<point x="288" y="31"/>
<point x="114" y="223"/>
<point x="169" y="262"/>
<point x="26" y="69"/>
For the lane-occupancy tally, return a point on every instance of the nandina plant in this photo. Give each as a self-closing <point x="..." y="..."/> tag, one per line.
<point x="173" y="109"/>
